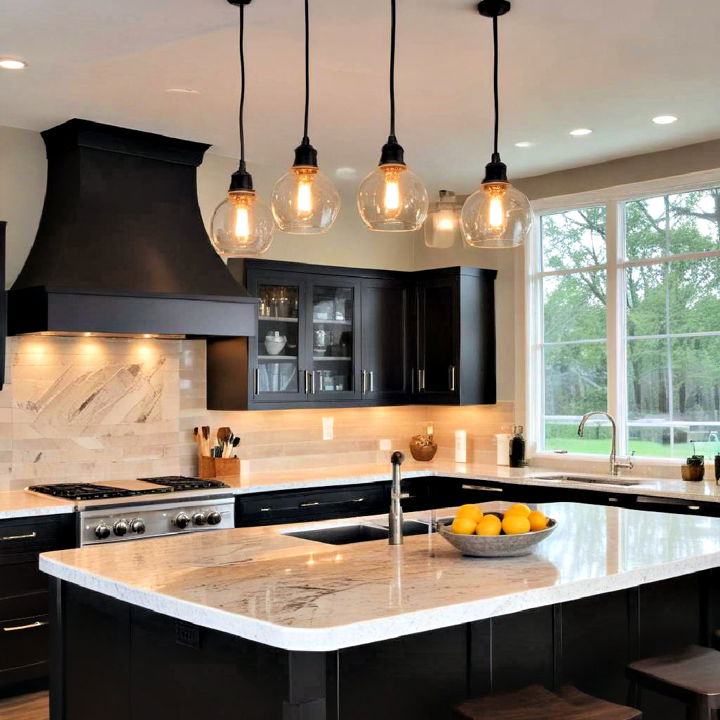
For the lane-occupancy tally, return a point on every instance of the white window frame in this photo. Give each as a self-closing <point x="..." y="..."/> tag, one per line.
<point x="532" y="401"/>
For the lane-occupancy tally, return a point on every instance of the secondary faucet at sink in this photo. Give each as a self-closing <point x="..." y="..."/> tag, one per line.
<point x="614" y="464"/>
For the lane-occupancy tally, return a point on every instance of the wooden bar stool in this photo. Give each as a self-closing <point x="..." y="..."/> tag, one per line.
<point x="691" y="675"/>
<point x="537" y="703"/>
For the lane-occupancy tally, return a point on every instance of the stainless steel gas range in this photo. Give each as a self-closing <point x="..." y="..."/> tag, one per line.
<point x="146" y="508"/>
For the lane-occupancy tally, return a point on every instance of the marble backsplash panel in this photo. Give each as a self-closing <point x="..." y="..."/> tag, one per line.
<point x="95" y="409"/>
<point x="89" y="409"/>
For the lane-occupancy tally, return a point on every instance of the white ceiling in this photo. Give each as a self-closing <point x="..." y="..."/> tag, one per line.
<point x="605" y="64"/>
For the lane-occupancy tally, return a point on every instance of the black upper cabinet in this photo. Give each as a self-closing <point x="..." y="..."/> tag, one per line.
<point x="456" y="337"/>
<point x="344" y="337"/>
<point x="387" y="339"/>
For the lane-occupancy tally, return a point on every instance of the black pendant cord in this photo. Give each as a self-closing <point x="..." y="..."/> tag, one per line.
<point x="495" y="86"/>
<point x="306" y="139"/>
<point x="241" y="110"/>
<point x="393" y="25"/>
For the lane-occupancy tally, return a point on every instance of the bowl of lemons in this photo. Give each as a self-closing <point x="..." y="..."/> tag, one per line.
<point x="515" y="532"/>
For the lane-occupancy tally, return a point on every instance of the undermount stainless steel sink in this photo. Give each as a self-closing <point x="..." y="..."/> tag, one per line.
<point x="599" y="480"/>
<point x="347" y="534"/>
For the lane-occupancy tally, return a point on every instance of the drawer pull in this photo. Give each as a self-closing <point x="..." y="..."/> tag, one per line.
<point x="332" y="502"/>
<point x="36" y="624"/>
<point x="482" y="487"/>
<point x="29" y="536"/>
<point x="612" y="499"/>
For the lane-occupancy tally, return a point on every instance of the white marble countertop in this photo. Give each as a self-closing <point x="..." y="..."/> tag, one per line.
<point x="20" y="503"/>
<point x="262" y="585"/>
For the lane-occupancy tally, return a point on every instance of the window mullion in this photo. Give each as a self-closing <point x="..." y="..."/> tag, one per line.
<point x="616" y="300"/>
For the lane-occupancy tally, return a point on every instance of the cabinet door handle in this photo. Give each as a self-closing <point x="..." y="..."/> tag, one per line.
<point x="307" y="382"/>
<point x="372" y="381"/>
<point x="364" y="382"/>
<point x="312" y="382"/>
<point x="451" y="373"/>
<point x="421" y="380"/>
<point x="482" y="487"/>
<point x="36" y="624"/>
<point x="412" y="380"/>
<point x="28" y="536"/>
<point x="256" y="381"/>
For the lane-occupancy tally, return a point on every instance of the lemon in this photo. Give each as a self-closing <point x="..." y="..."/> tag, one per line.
<point x="514" y="524"/>
<point x="518" y="509"/>
<point x="470" y="511"/>
<point x="538" y="521"/>
<point x="463" y="526"/>
<point x="489" y="525"/>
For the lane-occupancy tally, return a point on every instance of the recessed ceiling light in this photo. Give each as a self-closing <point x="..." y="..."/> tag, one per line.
<point x="183" y="91"/>
<point x="523" y="144"/>
<point x="664" y="119"/>
<point x="579" y="132"/>
<point x="7" y="63"/>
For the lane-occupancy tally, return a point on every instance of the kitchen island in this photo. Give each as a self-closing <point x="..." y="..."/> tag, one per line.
<point x="255" y="623"/>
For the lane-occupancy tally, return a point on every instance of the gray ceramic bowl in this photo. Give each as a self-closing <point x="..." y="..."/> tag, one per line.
<point x="494" y="545"/>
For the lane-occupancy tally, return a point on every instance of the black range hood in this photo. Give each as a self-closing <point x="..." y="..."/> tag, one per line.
<point x="121" y="248"/>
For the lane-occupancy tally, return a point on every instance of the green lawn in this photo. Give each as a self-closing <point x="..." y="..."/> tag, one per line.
<point x="641" y="447"/>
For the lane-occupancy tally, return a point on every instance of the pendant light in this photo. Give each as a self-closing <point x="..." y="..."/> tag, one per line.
<point x="442" y="227"/>
<point x="392" y="198"/>
<point x="242" y="225"/>
<point x="497" y="215"/>
<point x="304" y="201"/>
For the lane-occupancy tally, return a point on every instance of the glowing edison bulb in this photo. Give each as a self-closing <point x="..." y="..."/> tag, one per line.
<point x="304" y="197"/>
<point x="241" y="216"/>
<point x="391" y="198"/>
<point x="496" y="205"/>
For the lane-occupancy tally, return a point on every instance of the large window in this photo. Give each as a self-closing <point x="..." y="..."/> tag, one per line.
<point x="626" y="318"/>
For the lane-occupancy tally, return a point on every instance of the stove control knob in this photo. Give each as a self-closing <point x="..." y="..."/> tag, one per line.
<point x="182" y="520"/>
<point x="102" y="532"/>
<point x="120" y="528"/>
<point x="198" y="518"/>
<point x="214" y="517"/>
<point x="137" y="526"/>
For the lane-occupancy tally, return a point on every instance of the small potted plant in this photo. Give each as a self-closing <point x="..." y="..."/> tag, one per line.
<point x="423" y="447"/>
<point x="694" y="468"/>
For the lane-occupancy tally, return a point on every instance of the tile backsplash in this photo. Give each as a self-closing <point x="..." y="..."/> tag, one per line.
<point x="102" y="409"/>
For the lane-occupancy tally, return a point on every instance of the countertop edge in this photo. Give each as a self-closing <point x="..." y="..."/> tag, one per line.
<point x="375" y="630"/>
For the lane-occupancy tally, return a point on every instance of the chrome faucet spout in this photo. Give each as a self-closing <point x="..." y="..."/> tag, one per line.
<point x="395" y="519"/>
<point x="614" y="464"/>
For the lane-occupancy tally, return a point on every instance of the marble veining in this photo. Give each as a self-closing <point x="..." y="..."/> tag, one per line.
<point x="263" y="585"/>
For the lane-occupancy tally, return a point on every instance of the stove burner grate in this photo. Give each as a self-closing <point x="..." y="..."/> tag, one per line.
<point x="178" y="483"/>
<point x="88" y="491"/>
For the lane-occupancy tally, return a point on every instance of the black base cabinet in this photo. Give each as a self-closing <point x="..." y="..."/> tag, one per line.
<point x="138" y="665"/>
<point x="24" y="624"/>
<point x="353" y="337"/>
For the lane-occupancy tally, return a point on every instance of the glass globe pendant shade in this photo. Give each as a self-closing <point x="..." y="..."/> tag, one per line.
<point x="392" y="198"/>
<point x="241" y="226"/>
<point x="304" y="201"/>
<point x="497" y="215"/>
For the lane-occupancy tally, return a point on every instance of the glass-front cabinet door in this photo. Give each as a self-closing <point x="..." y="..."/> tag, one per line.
<point x="278" y="372"/>
<point x="333" y="321"/>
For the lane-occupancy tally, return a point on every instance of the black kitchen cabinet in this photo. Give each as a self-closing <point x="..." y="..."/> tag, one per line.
<point x="24" y="597"/>
<point x="387" y="339"/>
<point x="349" y="337"/>
<point x="456" y="337"/>
<point x="274" y="508"/>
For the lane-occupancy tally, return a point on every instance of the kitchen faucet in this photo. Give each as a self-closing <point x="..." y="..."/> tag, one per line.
<point x="395" y="519"/>
<point x="614" y="464"/>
